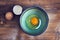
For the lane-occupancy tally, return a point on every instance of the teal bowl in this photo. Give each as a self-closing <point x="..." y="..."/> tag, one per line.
<point x="34" y="21"/>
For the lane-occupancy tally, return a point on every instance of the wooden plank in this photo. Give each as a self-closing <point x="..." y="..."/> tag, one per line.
<point x="10" y="30"/>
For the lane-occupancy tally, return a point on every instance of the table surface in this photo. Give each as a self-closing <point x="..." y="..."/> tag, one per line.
<point x="10" y="30"/>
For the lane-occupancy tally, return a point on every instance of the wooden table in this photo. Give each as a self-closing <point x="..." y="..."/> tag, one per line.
<point x="10" y="30"/>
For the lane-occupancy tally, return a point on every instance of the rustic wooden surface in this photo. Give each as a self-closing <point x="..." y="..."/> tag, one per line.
<point x="10" y="30"/>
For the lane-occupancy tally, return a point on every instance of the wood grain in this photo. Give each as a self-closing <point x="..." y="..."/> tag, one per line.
<point x="10" y="30"/>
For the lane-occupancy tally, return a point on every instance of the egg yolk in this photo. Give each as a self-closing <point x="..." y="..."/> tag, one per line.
<point x="34" y="21"/>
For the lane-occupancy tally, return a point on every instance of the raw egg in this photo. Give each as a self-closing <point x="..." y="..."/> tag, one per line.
<point x="34" y="20"/>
